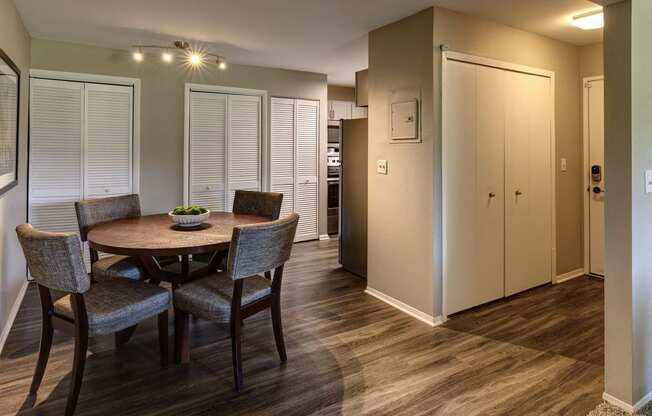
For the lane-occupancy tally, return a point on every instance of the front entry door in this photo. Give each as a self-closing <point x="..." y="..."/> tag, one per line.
<point x="595" y="124"/>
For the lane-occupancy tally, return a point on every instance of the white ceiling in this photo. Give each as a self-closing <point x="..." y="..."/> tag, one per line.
<point x="324" y="36"/>
<point x="551" y="18"/>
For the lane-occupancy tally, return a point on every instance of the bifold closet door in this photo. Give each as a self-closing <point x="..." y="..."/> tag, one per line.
<point x="294" y="161"/>
<point x="207" y="150"/>
<point x="244" y="128"/>
<point x="307" y="186"/>
<point x="224" y="148"/>
<point x="282" y="161"/>
<point x="528" y="182"/>
<point x="473" y="185"/>
<point x="108" y="140"/>
<point x="55" y="154"/>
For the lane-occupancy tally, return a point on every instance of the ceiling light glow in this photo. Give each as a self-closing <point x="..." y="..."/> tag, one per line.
<point x="138" y="55"/>
<point x="195" y="59"/>
<point x="167" y="57"/>
<point x="221" y="63"/>
<point x="589" y="21"/>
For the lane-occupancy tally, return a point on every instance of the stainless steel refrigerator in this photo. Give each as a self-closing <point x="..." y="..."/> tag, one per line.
<point x="353" y="195"/>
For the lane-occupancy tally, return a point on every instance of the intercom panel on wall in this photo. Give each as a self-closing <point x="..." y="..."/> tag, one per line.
<point x="404" y="116"/>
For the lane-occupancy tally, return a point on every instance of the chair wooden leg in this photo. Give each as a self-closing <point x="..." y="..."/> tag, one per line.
<point x="181" y="336"/>
<point x="236" y="352"/>
<point x="122" y="337"/>
<point x="81" y="345"/>
<point x="278" y="328"/>
<point x="163" y="337"/>
<point x="47" y="332"/>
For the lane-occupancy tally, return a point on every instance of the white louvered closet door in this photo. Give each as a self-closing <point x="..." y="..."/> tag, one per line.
<point x="307" y="151"/>
<point x="108" y="140"/>
<point x="243" y="144"/>
<point x="55" y="154"/>
<point x="207" y="150"/>
<point x="282" y="164"/>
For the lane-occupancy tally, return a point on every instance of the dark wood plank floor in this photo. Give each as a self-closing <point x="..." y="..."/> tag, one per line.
<point x="540" y="353"/>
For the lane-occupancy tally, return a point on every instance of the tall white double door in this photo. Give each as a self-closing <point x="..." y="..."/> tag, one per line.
<point x="497" y="183"/>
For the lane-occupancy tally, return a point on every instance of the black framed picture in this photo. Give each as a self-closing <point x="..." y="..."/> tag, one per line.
<point x="9" y="109"/>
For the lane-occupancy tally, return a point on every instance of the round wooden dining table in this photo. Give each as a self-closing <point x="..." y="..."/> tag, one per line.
<point x="154" y="236"/>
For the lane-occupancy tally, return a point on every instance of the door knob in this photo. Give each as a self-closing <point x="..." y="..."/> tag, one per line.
<point x="597" y="190"/>
<point x="518" y="192"/>
<point x="492" y="195"/>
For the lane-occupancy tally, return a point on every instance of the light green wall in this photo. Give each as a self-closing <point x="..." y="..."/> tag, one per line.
<point x="15" y="42"/>
<point x="162" y="100"/>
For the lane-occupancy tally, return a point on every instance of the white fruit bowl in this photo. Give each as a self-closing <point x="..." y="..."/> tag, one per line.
<point x="189" y="220"/>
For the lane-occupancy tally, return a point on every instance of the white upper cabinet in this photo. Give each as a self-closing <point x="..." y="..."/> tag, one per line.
<point x="108" y="138"/>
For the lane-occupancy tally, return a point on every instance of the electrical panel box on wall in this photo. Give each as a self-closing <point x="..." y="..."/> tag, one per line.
<point x="405" y="120"/>
<point x="404" y="116"/>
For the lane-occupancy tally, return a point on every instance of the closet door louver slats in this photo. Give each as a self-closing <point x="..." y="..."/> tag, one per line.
<point x="55" y="154"/>
<point x="207" y="150"/>
<point x="80" y="147"/>
<point x="244" y="132"/>
<point x="294" y="161"/>
<point x="282" y="164"/>
<point x="307" y="134"/>
<point x="108" y="136"/>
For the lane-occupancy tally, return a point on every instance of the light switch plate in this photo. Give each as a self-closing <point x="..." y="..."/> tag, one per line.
<point x="648" y="181"/>
<point x="381" y="166"/>
<point x="564" y="165"/>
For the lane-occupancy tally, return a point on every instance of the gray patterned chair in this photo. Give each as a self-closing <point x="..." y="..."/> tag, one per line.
<point x="91" y="212"/>
<point x="239" y="292"/>
<point x="261" y="204"/>
<point x="69" y="302"/>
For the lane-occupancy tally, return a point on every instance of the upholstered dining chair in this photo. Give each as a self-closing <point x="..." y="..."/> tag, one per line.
<point x="240" y="291"/>
<point x="91" y="212"/>
<point x="261" y="204"/>
<point x="71" y="303"/>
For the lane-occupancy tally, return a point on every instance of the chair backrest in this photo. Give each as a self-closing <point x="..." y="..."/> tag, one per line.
<point x="258" y="248"/>
<point x="91" y="212"/>
<point x="262" y="204"/>
<point x="54" y="259"/>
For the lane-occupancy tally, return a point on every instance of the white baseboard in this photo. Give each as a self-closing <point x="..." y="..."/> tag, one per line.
<point x="323" y="237"/>
<point x="569" y="275"/>
<point x="626" y="406"/>
<point x="618" y="403"/>
<point x="12" y="315"/>
<point x="405" y="308"/>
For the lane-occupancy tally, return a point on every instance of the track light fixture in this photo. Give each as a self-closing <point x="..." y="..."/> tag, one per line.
<point x="194" y="57"/>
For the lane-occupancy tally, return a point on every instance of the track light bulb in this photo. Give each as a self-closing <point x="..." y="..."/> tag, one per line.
<point x="138" y="55"/>
<point x="195" y="59"/>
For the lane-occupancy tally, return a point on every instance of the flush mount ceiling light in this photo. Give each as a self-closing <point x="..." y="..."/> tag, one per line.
<point x="194" y="57"/>
<point x="589" y="21"/>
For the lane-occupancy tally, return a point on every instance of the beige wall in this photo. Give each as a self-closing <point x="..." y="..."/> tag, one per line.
<point x="471" y="35"/>
<point x="15" y="41"/>
<point x="400" y="204"/>
<point x="336" y="92"/>
<point x="591" y="60"/>
<point x="162" y="98"/>
<point x="404" y="243"/>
